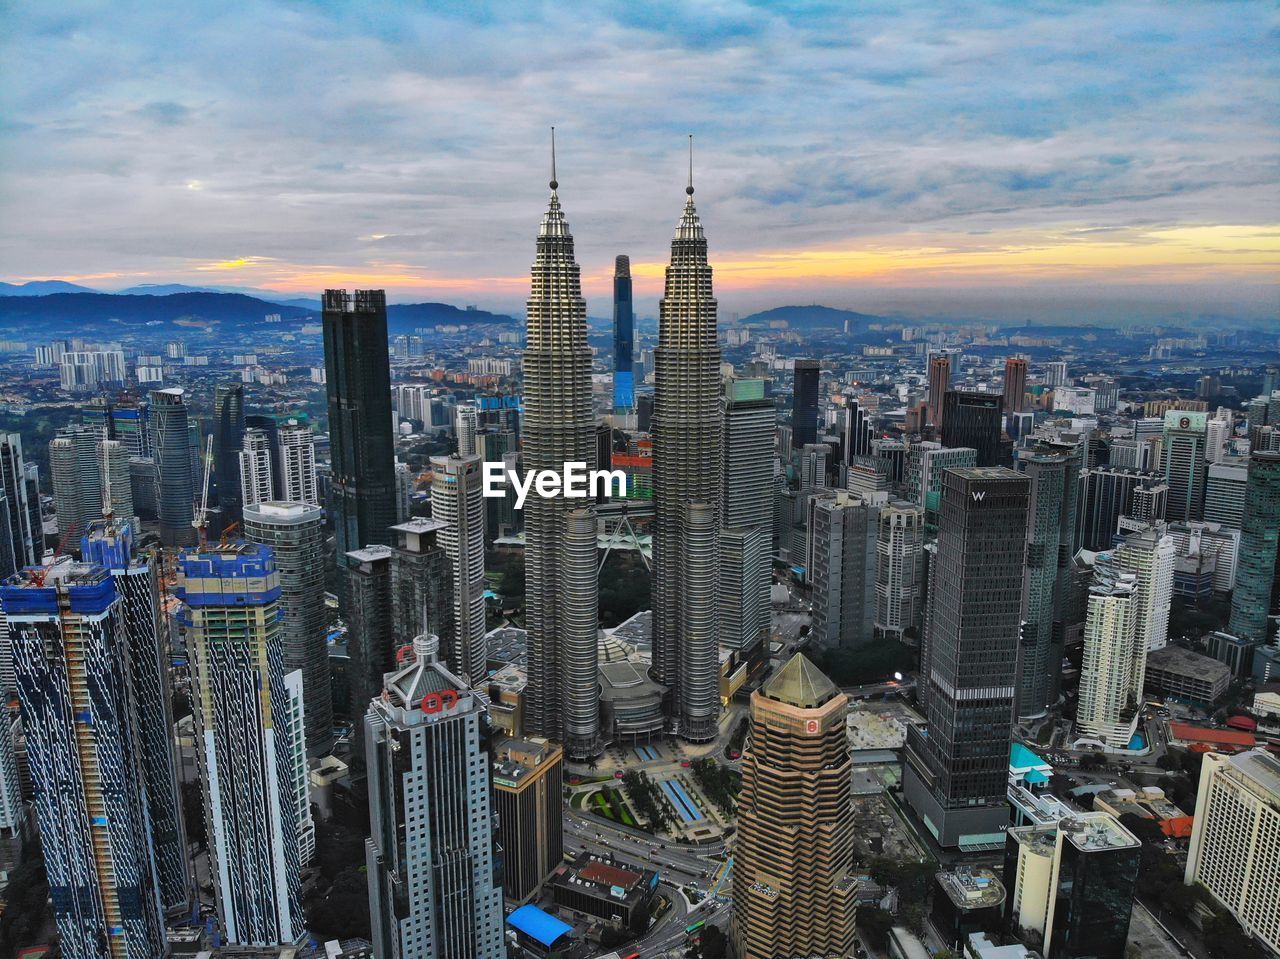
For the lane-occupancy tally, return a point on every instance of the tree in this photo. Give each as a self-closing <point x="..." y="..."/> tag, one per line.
<point x="875" y="924"/>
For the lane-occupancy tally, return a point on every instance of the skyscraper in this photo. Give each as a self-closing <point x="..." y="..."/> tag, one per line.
<point x="1114" y="663"/>
<point x="1149" y="553"/>
<point x="432" y="889"/>
<point x="256" y="473"/>
<point x="1015" y="384"/>
<point x="686" y="479"/>
<point x="231" y="611"/>
<point x="956" y="776"/>
<point x="228" y="437"/>
<point x="457" y="501"/>
<point x="939" y="386"/>
<point x="1185" y="469"/>
<point x="844" y="530"/>
<point x="1053" y="471"/>
<point x="26" y="529"/>
<point x="973" y="420"/>
<point x="366" y="586"/>
<point x="295" y="534"/>
<point x="1234" y="854"/>
<point x="422" y="594"/>
<point x="747" y="518"/>
<point x="1225" y="491"/>
<point x="1257" y="591"/>
<point x="624" y="389"/>
<point x="900" y="571"/>
<point x="528" y="796"/>
<point x="171" y="449"/>
<point x="1106" y="494"/>
<point x="80" y="717"/>
<point x="792" y="892"/>
<point x="1072" y="882"/>
<point x="75" y="468"/>
<point x="298" y="464"/>
<point x="109" y="544"/>
<point x="804" y="399"/>
<point x="856" y="432"/>
<point x="361" y="445"/>
<point x="466" y="423"/>
<point x="562" y="696"/>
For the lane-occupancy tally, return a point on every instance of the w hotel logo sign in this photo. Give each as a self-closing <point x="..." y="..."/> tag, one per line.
<point x="979" y="495"/>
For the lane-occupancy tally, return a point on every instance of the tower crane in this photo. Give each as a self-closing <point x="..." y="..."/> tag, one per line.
<point x="200" y="521"/>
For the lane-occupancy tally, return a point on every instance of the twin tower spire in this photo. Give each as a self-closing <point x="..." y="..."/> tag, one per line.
<point x="562" y="697"/>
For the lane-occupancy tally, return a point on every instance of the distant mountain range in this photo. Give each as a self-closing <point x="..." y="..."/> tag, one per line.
<point x="814" y="318"/>
<point x="42" y="288"/>
<point x="97" y="313"/>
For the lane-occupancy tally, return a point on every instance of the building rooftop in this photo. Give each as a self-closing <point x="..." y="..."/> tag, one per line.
<point x="420" y="525"/>
<point x="370" y="554"/>
<point x="1234" y="738"/>
<point x="1261" y="767"/>
<point x="974" y="887"/>
<point x="800" y="683"/>
<point x="1185" y="662"/>
<point x="538" y="925"/>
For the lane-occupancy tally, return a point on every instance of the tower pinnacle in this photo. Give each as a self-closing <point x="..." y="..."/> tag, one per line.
<point x="689" y="188"/>
<point x="554" y="184"/>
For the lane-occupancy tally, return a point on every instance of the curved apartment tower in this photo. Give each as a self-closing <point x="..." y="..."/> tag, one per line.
<point x="562" y="697"/>
<point x="686" y="480"/>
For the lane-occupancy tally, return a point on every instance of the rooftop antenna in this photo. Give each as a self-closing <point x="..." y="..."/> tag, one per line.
<point x="689" y="188"/>
<point x="554" y="184"/>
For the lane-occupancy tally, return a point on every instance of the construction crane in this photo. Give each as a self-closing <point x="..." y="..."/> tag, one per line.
<point x="200" y="522"/>
<point x="227" y="531"/>
<point x="38" y="575"/>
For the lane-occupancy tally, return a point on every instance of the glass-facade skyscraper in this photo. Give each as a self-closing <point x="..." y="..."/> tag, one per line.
<point x="955" y="776"/>
<point x="1257" y="589"/>
<point x="361" y="443"/>
<point x="171" y="449"/>
<point x="624" y="388"/>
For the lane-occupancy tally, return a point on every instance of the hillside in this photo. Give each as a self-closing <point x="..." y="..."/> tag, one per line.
<point x="813" y="318"/>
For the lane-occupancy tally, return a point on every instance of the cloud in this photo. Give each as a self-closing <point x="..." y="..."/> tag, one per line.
<point x="158" y="140"/>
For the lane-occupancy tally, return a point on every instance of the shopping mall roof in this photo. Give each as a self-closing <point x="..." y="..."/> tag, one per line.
<point x="538" y="925"/>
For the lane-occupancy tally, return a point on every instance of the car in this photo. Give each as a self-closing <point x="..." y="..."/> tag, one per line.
<point x="618" y="774"/>
<point x="685" y="763"/>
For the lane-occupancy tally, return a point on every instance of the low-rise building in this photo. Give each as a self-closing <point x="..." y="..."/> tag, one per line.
<point x="603" y="888"/>
<point x="1191" y="676"/>
<point x="965" y="901"/>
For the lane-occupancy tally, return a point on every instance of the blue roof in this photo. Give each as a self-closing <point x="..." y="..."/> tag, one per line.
<point x="1020" y="757"/>
<point x="1036" y="776"/>
<point x="537" y="924"/>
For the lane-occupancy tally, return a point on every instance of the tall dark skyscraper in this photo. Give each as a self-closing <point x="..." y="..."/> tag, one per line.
<point x="1015" y="384"/>
<point x="562" y="699"/>
<point x="171" y="447"/>
<point x="1054" y="473"/>
<point x="228" y="437"/>
<point x="956" y="775"/>
<point x="1106" y="494"/>
<point x="361" y="445"/>
<point x="973" y="420"/>
<point x="686" y="479"/>
<point x="624" y="388"/>
<point x="804" y="404"/>
<point x="1257" y="586"/>
<point x="939" y="385"/>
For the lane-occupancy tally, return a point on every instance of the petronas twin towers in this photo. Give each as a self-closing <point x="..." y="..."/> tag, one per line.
<point x="561" y="581"/>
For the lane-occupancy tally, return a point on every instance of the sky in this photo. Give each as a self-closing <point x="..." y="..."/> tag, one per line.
<point x="1102" y="161"/>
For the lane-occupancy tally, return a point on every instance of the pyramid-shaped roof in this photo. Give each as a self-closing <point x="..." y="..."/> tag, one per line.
<point x="801" y="684"/>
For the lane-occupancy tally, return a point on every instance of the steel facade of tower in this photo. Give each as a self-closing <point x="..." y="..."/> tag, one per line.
<point x="231" y="612"/>
<point x="457" y="501"/>
<point x="746" y="535"/>
<point x="624" y="387"/>
<point x="561" y="599"/>
<point x="939" y="385"/>
<point x="228" y="437"/>
<point x="1015" y="384"/>
<point x="956" y="775"/>
<point x="973" y="420"/>
<point x="1257" y="590"/>
<point x="686" y="479"/>
<point x="361" y="444"/>
<point x="433" y="893"/>
<point x="804" y="402"/>
<point x="109" y="544"/>
<point x="295" y="534"/>
<point x="171" y="449"/>
<point x="1054" y="473"/>
<point x="67" y="631"/>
